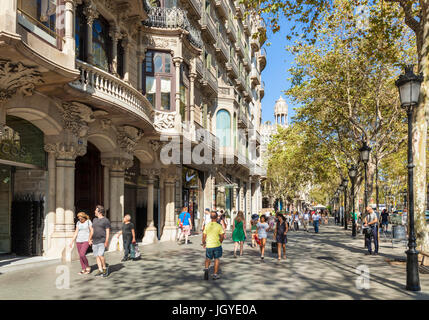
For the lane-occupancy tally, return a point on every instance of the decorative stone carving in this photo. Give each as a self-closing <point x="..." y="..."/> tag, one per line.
<point x="156" y="42"/>
<point x="117" y="164"/>
<point x="16" y="77"/>
<point x="108" y="4"/>
<point x="91" y="13"/>
<point x="106" y="124"/>
<point x="156" y="145"/>
<point x="128" y="137"/>
<point x="150" y="172"/>
<point x="164" y="120"/>
<point x="76" y="117"/>
<point x="68" y="151"/>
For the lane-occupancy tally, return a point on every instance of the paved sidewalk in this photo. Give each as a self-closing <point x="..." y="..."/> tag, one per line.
<point x="318" y="266"/>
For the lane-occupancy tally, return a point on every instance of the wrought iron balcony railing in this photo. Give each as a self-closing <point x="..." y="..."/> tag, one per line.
<point x="173" y="18"/>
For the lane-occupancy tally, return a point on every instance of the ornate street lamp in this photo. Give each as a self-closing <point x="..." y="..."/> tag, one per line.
<point x="341" y="189"/>
<point x="345" y="183"/>
<point x="364" y="157"/>
<point x="409" y="92"/>
<point x="352" y="175"/>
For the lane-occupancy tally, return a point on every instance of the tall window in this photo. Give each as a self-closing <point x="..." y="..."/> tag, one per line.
<point x="46" y="13"/>
<point x="235" y="131"/>
<point x="80" y="33"/>
<point x="121" y="53"/>
<point x="223" y="127"/>
<point x="158" y="80"/>
<point x="184" y="92"/>
<point x="101" y="43"/>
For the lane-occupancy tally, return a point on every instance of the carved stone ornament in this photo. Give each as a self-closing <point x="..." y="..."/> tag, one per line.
<point x="128" y="137"/>
<point x="156" y="145"/>
<point x="117" y="164"/>
<point x="150" y="172"/>
<point x="67" y="151"/>
<point x="108" y="4"/>
<point x="76" y="117"/>
<point x="156" y="42"/>
<point x="106" y="124"/>
<point x="91" y="13"/>
<point x="16" y="77"/>
<point x="164" y="121"/>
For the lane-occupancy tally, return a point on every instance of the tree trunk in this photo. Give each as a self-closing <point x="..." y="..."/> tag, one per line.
<point x="419" y="141"/>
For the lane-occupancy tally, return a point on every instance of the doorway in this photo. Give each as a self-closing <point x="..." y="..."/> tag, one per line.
<point x="89" y="181"/>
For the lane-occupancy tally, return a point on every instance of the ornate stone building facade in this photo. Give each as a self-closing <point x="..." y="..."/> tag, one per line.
<point x="91" y="93"/>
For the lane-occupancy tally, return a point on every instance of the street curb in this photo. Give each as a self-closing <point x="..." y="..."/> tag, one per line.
<point x="28" y="265"/>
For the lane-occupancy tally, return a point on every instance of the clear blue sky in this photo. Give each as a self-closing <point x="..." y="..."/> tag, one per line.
<point x="276" y="75"/>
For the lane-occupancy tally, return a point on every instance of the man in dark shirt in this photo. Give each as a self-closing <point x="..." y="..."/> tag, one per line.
<point x="384" y="219"/>
<point x="99" y="239"/>
<point x="128" y="236"/>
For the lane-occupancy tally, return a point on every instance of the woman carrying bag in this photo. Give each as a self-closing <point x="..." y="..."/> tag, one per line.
<point x="280" y="236"/>
<point x="81" y="236"/>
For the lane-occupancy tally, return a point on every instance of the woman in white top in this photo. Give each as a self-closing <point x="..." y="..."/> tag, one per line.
<point x="81" y="236"/>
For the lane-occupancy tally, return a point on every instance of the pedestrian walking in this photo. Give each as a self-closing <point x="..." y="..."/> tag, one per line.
<point x="263" y="227"/>
<point x="238" y="233"/>
<point x="81" y="236"/>
<point x="280" y="236"/>
<point x="316" y="220"/>
<point x="99" y="239"/>
<point x="305" y="219"/>
<point x="385" y="220"/>
<point x="221" y="220"/>
<point x="370" y="224"/>
<point x="254" y="229"/>
<point x="212" y="241"/>
<point x="186" y="223"/>
<point x="296" y="221"/>
<point x="128" y="237"/>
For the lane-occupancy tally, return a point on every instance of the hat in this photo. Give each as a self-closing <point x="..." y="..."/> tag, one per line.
<point x="207" y="209"/>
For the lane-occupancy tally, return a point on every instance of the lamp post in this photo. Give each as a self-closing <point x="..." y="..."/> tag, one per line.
<point x="345" y="183"/>
<point x="341" y="189"/>
<point x="404" y="197"/>
<point x="409" y="92"/>
<point x="352" y="175"/>
<point x="364" y="156"/>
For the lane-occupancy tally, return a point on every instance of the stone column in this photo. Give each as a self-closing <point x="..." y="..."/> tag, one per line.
<point x="117" y="168"/>
<point x="177" y="62"/>
<point x="140" y="58"/>
<point x="169" y="232"/>
<point x="192" y="77"/>
<point x="150" y="235"/>
<point x="69" y="47"/>
<point x="106" y="187"/>
<point x="51" y="197"/>
<point x="115" y="35"/>
<point x="91" y="14"/>
<point x="8" y="11"/>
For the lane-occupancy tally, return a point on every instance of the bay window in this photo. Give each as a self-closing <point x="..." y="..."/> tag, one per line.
<point x="158" y="80"/>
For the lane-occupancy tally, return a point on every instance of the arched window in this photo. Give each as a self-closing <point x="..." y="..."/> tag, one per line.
<point x="223" y="128"/>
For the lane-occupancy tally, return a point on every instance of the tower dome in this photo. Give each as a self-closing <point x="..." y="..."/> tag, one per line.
<point x="281" y="111"/>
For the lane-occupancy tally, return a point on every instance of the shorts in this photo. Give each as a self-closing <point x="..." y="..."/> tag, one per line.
<point x="186" y="230"/>
<point x="384" y="223"/>
<point x="98" y="249"/>
<point x="214" y="253"/>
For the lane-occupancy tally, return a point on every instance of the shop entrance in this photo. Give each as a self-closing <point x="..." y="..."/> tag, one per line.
<point x="89" y="181"/>
<point x="22" y="188"/>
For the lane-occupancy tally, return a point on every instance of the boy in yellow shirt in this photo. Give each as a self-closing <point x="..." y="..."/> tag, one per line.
<point x="212" y="241"/>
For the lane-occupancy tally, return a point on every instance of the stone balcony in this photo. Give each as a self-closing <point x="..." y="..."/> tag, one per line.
<point x="221" y="48"/>
<point x="193" y="7"/>
<point x="262" y="59"/>
<point x="231" y="30"/>
<point x="254" y="44"/>
<point x="104" y="90"/>
<point x="247" y="25"/>
<point x="209" y="27"/>
<point x="239" y="9"/>
<point x="255" y="77"/>
<point x="222" y="8"/>
<point x="232" y="68"/>
<point x="262" y="89"/>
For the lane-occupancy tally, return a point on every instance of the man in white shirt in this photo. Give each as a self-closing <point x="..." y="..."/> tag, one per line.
<point x="316" y="220"/>
<point x="371" y="222"/>
<point x="305" y="219"/>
